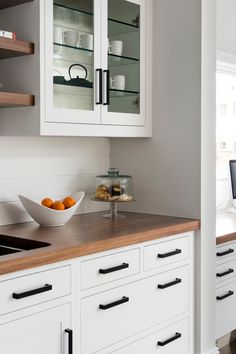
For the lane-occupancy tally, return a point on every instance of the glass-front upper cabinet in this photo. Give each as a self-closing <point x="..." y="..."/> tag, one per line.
<point x="73" y="52"/>
<point x="124" y="58"/>
<point x="95" y="62"/>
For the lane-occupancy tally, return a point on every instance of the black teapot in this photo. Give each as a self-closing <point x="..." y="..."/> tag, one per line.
<point x="77" y="81"/>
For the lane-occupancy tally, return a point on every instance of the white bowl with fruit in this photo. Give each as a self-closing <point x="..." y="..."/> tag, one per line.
<point x="52" y="213"/>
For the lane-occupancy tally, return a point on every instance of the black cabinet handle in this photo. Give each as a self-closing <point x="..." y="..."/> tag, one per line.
<point x="107" y="101"/>
<point x="46" y="287"/>
<point x="114" y="269"/>
<point x="229" y="293"/>
<point x="224" y="253"/>
<point x="115" y="303"/>
<point x="167" y="285"/>
<point x="229" y="271"/>
<point x="175" y="337"/>
<point x="99" y="87"/>
<point x="169" y="254"/>
<point x="70" y="340"/>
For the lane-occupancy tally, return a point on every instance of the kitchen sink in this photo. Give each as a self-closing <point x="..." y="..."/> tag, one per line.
<point x="11" y="244"/>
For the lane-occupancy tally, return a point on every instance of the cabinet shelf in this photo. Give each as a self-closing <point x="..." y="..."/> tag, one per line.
<point x="10" y="48"/>
<point x="73" y="9"/>
<point x="122" y="93"/>
<point x="72" y="90"/>
<point x="9" y="3"/>
<point x="9" y="99"/>
<point x="117" y="60"/>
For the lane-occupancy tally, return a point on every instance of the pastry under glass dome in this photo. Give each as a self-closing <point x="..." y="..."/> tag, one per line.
<point x="114" y="188"/>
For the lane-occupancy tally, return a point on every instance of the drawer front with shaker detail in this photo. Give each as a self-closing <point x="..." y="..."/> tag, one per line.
<point x="106" y="269"/>
<point x="118" y="313"/>
<point x="171" y="340"/>
<point x="163" y="253"/>
<point x="33" y="289"/>
<point x="225" y="252"/>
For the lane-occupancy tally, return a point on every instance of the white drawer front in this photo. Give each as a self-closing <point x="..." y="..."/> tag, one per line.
<point x="171" y="340"/>
<point x="106" y="269"/>
<point x="163" y="253"/>
<point x="225" y="309"/>
<point x="225" y="271"/>
<point x="113" y="315"/>
<point x="225" y="252"/>
<point x="35" y="288"/>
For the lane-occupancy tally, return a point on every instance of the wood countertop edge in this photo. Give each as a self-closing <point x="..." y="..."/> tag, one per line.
<point x="44" y="257"/>
<point x="226" y="238"/>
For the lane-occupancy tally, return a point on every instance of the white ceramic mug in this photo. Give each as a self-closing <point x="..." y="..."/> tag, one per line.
<point x="57" y="35"/>
<point x="86" y="41"/>
<point x="115" y="47"/>
<point x="117" y="82"/>
<point x="70" y="38"/>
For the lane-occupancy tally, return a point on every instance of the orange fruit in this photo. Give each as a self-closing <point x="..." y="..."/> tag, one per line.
<point x="69" y="202"/>
<point x="58" y="205"/>
<point x="47" y="202"/>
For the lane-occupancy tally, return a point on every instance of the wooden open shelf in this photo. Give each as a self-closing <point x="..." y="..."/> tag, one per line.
<point x="8" y="99"/>
<point x="10" y="48"/>
<point x="9" y="3"/>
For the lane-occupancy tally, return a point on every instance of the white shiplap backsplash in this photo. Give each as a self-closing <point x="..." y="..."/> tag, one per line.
<point x="49" y="166"/>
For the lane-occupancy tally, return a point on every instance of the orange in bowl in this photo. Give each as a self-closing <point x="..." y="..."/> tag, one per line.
<point x="47" y="202"/>
<point x="69" y="202"/>
<point x="58" y="205"/>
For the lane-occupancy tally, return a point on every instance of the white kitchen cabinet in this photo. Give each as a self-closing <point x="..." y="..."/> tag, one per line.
<point x="92" y="69"/>
<point x="47" y="332"/>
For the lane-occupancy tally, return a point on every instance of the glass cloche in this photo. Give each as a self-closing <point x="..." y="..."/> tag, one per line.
<point x="114" y="188"/>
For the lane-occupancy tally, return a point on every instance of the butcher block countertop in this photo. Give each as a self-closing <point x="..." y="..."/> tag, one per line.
<point x="86" y="234"/>
<point x="225" y="227"/>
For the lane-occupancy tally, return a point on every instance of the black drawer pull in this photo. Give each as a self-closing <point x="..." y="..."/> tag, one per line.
<point x="115" y="303"/>
<point x="224" y="253"/>
<point x="175" y="337"/>
<point x="70" y="340"/>
<point x="167" y="285"/>
<point x="229" y="293"/>
<point x="169" y="254"/>
<point x="229" y="271"/>
<point x="114" y="269"/>
<point x="46" y="287"/>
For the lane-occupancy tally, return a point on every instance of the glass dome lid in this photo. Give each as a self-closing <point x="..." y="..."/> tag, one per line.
<point x="113" y="172"/>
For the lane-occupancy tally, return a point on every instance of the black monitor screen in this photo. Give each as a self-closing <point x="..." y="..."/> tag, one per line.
<point x="232" y="167"/>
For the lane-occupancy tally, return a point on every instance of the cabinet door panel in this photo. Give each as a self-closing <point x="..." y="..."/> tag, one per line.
<point x="41" y="333"/>
<point x="124" y="95"/>
<point x="72" y="58"/>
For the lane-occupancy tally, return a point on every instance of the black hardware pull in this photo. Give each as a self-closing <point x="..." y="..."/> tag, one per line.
<point x="99" y="71"/>
<point x="114" y="269"/>
<point x="229" y="271"/>
<point x="46" y="287"/>
<point x="107" y="102"/>
<point x="115" y="303"/>
<point x="175" y="337"/>
<point x="224" y="253"/>
<point x="70" y="340"/>
<point x="169" y="254"/>
<point x="167" y="285"/>
<point x="229" y="293"/>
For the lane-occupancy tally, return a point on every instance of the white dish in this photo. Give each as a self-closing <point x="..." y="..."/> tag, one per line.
<point x="49" y="217"/>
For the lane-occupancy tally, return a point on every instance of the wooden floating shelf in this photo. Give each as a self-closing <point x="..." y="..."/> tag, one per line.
<point x="9" y="3"/>
<point x="10" y="48"/>
<point x="8" y="99"/>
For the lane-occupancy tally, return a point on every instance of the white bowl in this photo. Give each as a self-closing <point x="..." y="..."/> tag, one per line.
<point x="49" y="217"/>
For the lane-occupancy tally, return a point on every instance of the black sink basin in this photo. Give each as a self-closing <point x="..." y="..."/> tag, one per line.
<point x="11" y="244"/>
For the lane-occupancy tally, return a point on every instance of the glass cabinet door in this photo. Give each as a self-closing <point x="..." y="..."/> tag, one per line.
<point x="124" y="93"/>
<point x="72" y="47"/>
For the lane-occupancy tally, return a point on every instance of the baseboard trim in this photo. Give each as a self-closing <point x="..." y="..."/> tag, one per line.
<point x="214" y="350"/>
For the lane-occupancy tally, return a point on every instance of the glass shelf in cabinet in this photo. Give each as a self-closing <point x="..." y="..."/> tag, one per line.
<point x="117" y="60"/>
<point x="72" y="90"/>
<point x="119" y="27"/>
<point x="122" y="93"/>
<point x="73" y="54"/>
<point x="72" y="9"/>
